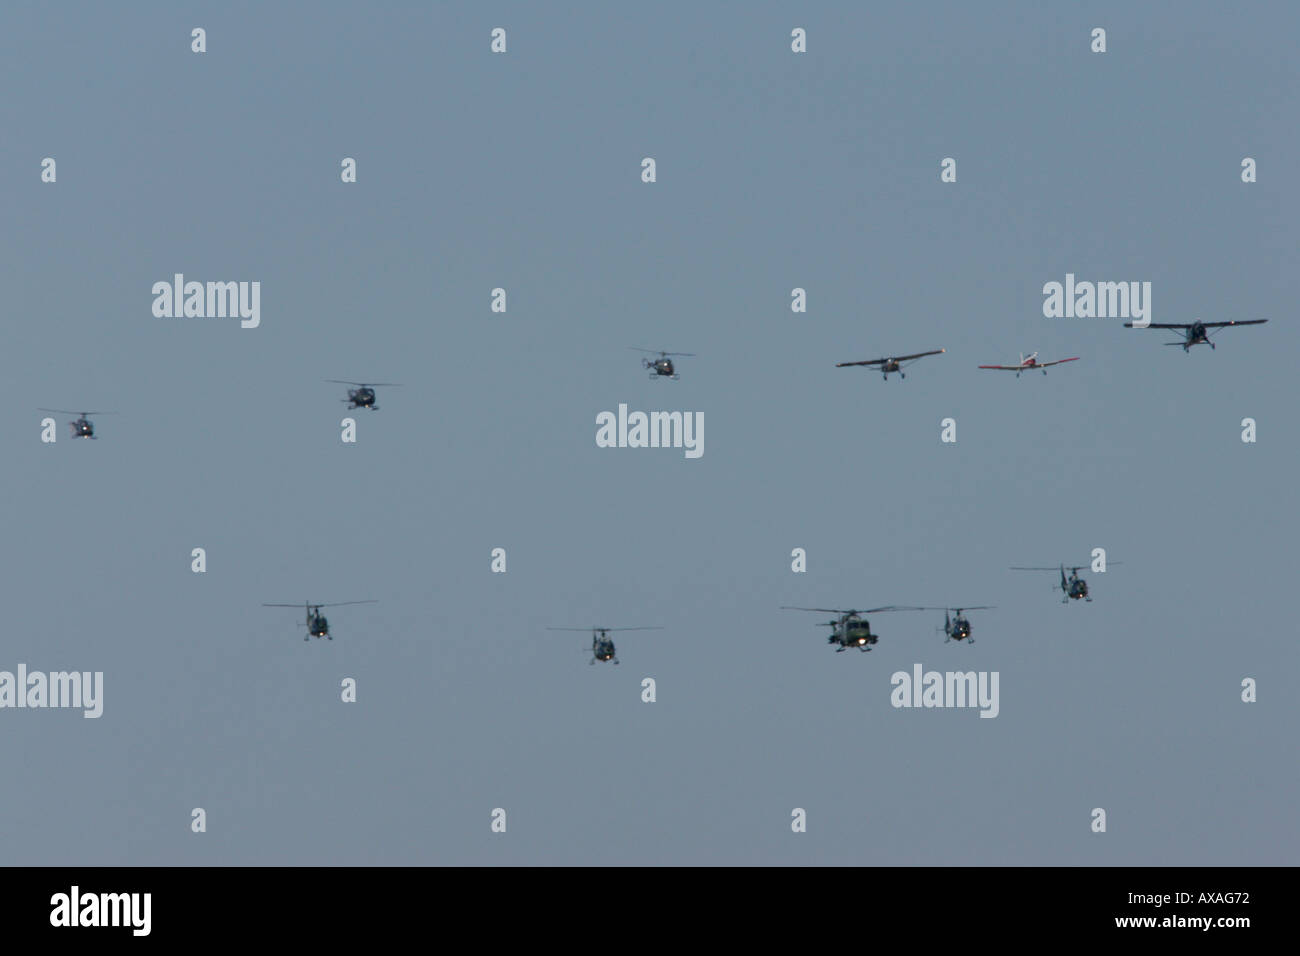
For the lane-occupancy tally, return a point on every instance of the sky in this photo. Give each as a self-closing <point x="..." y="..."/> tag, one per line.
<point x="775" y="170"/>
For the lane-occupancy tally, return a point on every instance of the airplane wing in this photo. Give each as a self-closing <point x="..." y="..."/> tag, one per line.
<point x="1223" y="325"/>
<point x="847" y="364"/>
<point x="1057" y="362"/>
<point x="1008" y="368"/>
<point x="1157" y="325"/>
<point x="908" y="358"/>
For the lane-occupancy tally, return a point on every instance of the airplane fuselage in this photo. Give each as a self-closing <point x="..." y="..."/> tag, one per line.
<point x="1196" y="335"/>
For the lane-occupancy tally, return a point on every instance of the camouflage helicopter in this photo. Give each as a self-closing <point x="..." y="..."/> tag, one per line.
<point x="317" y="625"/>
<point x="602" y="646"/>
<point x="957" y="626"/>
<point x="82" y="427"/>
<point x="850" y="628"/>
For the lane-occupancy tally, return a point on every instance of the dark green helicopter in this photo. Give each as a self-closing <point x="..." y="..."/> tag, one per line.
<point x="317" y="625"/>
<point x="602" y="645"/>
<point x="955" y="624"/>
<point x="363" y="396"/>
<point x="83" y="427"/>
<point x="850" y="628"/>
<point x="1074" y="586"/>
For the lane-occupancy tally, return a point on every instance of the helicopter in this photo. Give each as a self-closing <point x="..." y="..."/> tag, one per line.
<point x="602" y="646"/>
<point x="663" y="365"/>
<point x="957" y="627"/>
<point x="317" y="625"/>
<point x="851" y="629"/>
<point x="82" y="427"/>
<point x="363" y="396"/>
<point x="1195" y="333"/>
<point x="1073" y="587"/>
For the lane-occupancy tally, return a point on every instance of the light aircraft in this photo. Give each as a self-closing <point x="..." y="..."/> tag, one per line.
<point x="1029" y="363"/>
<point x="894" y="363"/>
<point x="1195" y="332"/>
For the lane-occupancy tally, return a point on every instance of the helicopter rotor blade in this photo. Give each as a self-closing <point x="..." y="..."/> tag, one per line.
<point x="309" y="605"/>
<point x="844" y="611"/>
<point x="339" y="381"/>
<point x="64" y="411"/>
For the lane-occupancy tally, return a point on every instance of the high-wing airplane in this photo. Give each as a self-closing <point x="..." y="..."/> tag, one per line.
<point x="1195" y="333"/>
<point x="1028" y="362"/>
<point x="893" y="363"/>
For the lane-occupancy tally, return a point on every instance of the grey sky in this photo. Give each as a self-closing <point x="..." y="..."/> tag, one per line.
<point x="522" y="170"/>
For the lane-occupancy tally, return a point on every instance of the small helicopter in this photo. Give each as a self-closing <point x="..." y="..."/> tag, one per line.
<point x="662" y="366"/>
<point x="363" y="396"/>
<point x="602" y="646"/>
<point x="850" y="629"/>
<point x="1073" y="587"/>
<point x="1195" y="332"/>
<point x="893" y="363"/>
<point x="957" y="627"/>
<point x="317" y="626"/>
<point x="82" y="427"/>
<point x="1029" y="363"/>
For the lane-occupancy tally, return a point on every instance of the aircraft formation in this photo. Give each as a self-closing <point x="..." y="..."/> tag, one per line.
<point x="850" y="628"/>
<point x="363" y="395"/>
<point x="1194" y="333"/>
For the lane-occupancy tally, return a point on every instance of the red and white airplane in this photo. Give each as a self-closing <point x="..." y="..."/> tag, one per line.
<point x="1028" y="362"/>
